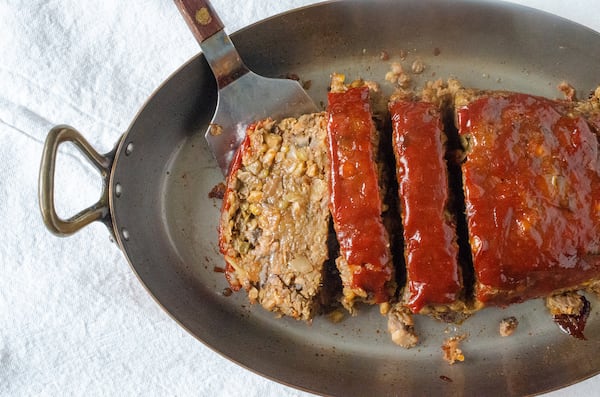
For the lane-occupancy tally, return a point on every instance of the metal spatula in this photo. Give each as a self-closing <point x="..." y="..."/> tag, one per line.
<point x="244" y="96"/>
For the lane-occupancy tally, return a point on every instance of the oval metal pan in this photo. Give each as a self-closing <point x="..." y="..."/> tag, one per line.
<point x="171" y="222"/>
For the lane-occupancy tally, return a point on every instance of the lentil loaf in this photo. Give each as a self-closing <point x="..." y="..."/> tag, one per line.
<point x="532" y="189"/>
<point x="275" y="217"/>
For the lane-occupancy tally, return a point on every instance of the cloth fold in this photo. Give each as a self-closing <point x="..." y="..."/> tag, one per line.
<point x="75" y="319"/>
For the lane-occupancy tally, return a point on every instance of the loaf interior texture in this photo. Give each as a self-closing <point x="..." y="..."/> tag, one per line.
<point x="275" y="216"/>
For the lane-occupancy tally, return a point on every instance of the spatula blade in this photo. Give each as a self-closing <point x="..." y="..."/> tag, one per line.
<point x="248" y="99"/>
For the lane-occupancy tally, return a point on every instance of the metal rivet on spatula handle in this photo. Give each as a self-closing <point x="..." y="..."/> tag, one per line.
<point x="200" y="18"/>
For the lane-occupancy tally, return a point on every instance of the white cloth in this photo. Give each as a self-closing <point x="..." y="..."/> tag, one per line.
<point x="75" y="320"/>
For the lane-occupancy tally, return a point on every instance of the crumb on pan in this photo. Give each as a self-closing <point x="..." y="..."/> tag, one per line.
<point x="452" y="353"/>
<point x="418" y="66"/>
<point x="401" y="327"/>
<point x="218" y="191"/>
<point x="568" y="90"/>
<point x="215" y="129"/>
<point x="508" y="326"/>
<point x="396" y="75"/>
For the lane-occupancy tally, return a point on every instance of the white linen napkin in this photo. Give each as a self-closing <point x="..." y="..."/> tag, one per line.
<point x="75" y="320"/>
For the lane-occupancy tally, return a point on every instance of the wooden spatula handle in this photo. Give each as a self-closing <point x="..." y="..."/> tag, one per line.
<point x="200" y="17"/>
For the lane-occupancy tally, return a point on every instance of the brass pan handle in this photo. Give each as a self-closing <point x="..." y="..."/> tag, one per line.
<point x="99" y="210"/>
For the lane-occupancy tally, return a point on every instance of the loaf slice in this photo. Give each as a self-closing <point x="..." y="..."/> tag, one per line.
<point x="275" y="217"/>
<point x="365" y="261"/>
<point x="434" y="282"/>
<point x="532" y="189"/>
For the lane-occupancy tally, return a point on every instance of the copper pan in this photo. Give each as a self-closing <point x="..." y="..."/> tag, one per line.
<point x="158" y="177"/>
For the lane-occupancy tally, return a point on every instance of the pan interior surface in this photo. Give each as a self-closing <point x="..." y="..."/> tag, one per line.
<point x="168" y="224"/>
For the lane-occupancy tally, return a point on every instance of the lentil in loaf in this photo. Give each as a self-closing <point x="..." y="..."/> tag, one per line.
<point x="275" y="218"/>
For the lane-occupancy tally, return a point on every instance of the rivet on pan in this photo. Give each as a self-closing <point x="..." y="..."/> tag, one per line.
<point x="129" y="149"/>
<point x="125" y="234"/>
<point x="118" y="189"/>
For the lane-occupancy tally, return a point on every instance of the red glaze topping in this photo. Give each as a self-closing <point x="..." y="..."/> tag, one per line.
<point x="430" y="238"/>
<point x="532" y="191"/>
<point x="234" y="166"/>
<point x="355" y="197"/>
